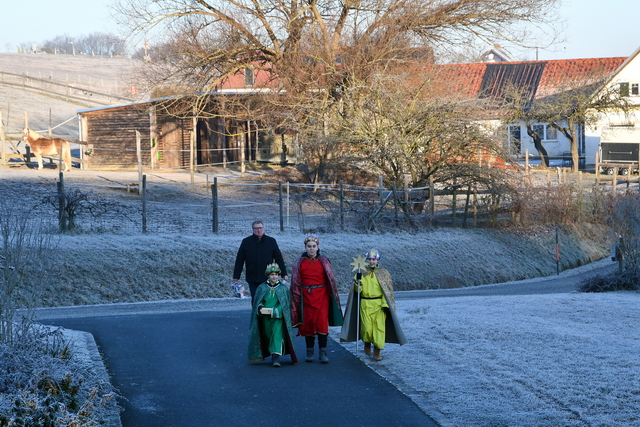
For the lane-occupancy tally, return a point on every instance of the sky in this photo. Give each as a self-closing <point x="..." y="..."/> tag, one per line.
<point x="594" y="28"/>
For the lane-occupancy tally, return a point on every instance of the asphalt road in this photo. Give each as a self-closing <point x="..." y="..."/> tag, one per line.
<point x="566" y="282"/>
<point x="190" y="369"/>
<point x="184" y="363"/>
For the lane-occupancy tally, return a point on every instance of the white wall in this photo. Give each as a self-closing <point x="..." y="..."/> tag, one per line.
<point x="608" y="128"/>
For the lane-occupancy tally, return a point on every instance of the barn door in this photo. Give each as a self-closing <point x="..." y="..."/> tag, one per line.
<point x="172" y="145"/>
<point x="202" y="144"/>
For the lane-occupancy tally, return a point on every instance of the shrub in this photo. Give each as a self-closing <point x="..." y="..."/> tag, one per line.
<point x="619" y="281"/>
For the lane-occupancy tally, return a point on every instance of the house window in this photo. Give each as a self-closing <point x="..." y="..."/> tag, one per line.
<point x="514" y="135"/>
<point x="624" y="89"/>
<point x="635" y="89"/>
<point x="545" y="132"/>
<point x="248" y="77"/>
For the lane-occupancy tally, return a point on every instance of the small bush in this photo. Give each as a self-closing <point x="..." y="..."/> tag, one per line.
<point x="624" y="281"/>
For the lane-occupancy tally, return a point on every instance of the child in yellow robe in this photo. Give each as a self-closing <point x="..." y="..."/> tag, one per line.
<point x="378" y="321"/>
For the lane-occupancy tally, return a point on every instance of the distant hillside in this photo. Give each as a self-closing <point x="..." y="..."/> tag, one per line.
<point x="52" y="88"/>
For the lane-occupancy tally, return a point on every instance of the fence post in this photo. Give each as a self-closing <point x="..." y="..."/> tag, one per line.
<point x="432" y="203"/>
<point x="466" y="208"/>
<point x="143" y="192"/>
<point x="2" y="137"/>
<point x="61" y="212"/>
<point x="280" y="202"/>
<point x="475" y="207"/>
<point x="214" y="205"/>
<point x="380" y="190"/>
<point x="557" y="252"/>
<point x="454" y="201"/>
<point x="139" y="157"/>
<point x="395" y="204"/>
<point x="192" y="154"/>
<point x="341" y="204"/>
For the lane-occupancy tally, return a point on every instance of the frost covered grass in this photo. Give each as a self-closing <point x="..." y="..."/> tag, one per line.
<point x="101" y="269"/>
<point x="526" y="360"/>
<point x="539" y="360"/>
<point x="44" y="381"/>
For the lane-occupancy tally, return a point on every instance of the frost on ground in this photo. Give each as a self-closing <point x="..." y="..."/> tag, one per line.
<point x="539" y="360"/>
<point x="480" y="361"/>
<point x="99" y="269"/>
<point x="52" y="375"/>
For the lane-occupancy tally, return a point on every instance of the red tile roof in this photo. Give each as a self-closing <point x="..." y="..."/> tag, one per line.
<point x="540" y="78"/>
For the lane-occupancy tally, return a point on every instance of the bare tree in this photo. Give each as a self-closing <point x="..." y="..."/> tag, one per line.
<point x="398" y="125"/>
<point x="311" y="53"/>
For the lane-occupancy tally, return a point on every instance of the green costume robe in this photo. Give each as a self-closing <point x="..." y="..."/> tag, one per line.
<point x="392" y="330"/>
<point x="263" y="328"/>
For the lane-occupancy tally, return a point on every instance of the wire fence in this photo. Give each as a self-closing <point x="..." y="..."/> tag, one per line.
<point x="212" y="205"/>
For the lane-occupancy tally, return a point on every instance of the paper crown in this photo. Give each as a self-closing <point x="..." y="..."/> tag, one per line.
<point x="372" y="254"/>
<point x="274" y="267"/>
<point x="311" y="238"/>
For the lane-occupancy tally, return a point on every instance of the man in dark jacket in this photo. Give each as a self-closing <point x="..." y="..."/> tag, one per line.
<point x="256" y="252"/>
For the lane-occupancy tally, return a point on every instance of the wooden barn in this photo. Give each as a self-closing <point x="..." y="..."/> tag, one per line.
<point x="174" y="134"/>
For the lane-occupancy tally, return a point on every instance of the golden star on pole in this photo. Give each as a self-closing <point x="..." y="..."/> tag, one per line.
<point x="358" y="263"/>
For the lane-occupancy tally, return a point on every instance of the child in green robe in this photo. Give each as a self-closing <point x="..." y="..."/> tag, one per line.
<point x="270" y="329"/>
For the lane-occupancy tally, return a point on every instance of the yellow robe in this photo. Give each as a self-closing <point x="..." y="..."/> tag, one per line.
<point x="372" y="315"/>
<point x="393" y="331"/>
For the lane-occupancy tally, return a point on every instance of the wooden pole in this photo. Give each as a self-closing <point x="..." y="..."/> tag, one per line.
<point x="466" y="208"/>
<point x="454" y="200"/>
<point x="61" y="202"/>
<point x="432" y="203"/>
<point x="395" y="203"/>
<point x="143" y="192"/>
<point x="475" y="207"/>
<point x="192" y="151"/>
<point x="3" y="139"/>
<point x="242" y="165"/>
<point x="153" y="136"/>
<point x="139" y="156"/>
<point x="281" y="205"/>
<point x="557" y="252"/>
<point x="214" y="214"/>
<point x="341" y="204"/>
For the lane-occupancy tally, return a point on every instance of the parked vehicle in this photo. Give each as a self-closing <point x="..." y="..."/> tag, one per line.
<point x="619" y="155"/>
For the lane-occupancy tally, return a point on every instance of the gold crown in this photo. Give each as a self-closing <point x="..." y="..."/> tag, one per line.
<point x="311" y="238"/>
<point x="372" y="254"/>
<point x="271" y="268"/>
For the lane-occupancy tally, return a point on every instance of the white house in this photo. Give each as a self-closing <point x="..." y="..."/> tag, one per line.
<point x="618" y="128"/>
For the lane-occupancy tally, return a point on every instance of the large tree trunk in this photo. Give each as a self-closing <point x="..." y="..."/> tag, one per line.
<point x="542" y="152"/>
